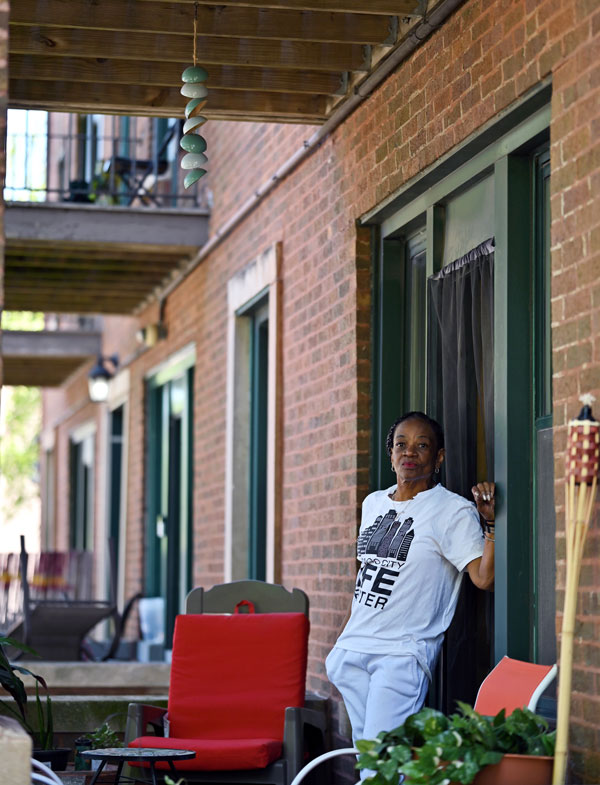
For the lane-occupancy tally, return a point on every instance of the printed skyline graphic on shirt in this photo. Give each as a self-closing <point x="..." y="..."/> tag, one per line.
<point x="383" y="549"/>
<point x="387" y="537"/>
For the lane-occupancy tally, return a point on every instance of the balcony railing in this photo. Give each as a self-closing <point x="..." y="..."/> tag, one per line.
<point x="97" y="159"/>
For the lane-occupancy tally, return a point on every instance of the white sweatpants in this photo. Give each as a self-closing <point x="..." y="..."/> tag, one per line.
<point x="379" y="690"/>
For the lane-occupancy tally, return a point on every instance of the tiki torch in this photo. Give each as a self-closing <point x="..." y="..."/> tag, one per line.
<point x="583" y="450"/>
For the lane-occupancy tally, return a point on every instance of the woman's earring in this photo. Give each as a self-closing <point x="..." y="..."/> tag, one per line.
<point x="437" y="470"/>
<point x="393" y="469"/>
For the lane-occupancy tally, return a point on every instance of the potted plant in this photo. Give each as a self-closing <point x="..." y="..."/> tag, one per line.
<point x="104" y="737"/>
<point x="433" y="749"/>
<point x="45" y="751"/>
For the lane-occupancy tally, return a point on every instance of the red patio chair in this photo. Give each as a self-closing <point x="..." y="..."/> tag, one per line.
<point x="236" y="695"/>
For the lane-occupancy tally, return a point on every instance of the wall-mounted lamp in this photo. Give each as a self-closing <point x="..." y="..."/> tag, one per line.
<point x="151" y="334"/>
<point x="99" y="377"/>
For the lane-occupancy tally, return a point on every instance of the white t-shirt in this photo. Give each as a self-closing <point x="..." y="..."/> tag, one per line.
<point x="412" y="556"/>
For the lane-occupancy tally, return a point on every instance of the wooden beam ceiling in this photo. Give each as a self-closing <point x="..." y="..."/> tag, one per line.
<point x="47" y="267"/>
<point x="177" y="19"/>
<point x="46" y="358"/>
<point x="268" y="60"/>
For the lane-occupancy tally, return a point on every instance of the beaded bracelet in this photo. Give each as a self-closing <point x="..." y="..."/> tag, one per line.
<point x="489" y="526"/>
<point x="487" y="537"/>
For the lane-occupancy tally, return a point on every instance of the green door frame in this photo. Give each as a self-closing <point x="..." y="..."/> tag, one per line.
<point x="259" y="393"/>
<point x="508" y="159"/>
<point x="513" y="449"/>
<point x="168" y="543"/>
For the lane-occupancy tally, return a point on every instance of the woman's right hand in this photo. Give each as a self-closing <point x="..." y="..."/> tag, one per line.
<point x="484" y="494"/>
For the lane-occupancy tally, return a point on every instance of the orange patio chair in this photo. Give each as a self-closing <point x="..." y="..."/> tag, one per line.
<point x="513" y="684"/>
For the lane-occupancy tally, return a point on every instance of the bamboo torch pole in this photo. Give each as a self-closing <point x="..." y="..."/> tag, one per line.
<point x="583" y="450"/>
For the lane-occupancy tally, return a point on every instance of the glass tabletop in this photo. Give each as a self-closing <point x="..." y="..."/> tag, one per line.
<point x="137" y="753"/>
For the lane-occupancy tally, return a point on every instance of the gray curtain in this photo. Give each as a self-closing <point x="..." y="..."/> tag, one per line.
<point x="462" y="306"/>
<point x="461" y="334"/>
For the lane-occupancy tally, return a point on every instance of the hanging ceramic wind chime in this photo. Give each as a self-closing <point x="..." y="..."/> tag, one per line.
<point x="194" y="145"/>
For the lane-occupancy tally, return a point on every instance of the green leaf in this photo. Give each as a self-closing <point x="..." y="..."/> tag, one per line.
<point x="364" y="745"/>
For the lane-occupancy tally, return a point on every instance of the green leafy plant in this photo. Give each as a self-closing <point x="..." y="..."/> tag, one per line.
<point x="433" y="749"/>
<point x="13" y="684"/>
<point x="104" y="737"/>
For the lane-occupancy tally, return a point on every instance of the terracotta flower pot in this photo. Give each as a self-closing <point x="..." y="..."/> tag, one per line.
<point x="517" y="770"/>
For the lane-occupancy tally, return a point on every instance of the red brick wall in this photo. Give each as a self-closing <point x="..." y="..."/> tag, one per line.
<point x="252" y="151"/>
<point x="575" y="187"/>
<point x="484" y="57"/>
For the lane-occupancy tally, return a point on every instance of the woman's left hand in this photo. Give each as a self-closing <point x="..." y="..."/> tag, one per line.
<point x="484" y="494"/>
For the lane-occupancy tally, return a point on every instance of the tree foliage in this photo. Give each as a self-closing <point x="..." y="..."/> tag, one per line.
<point x="21" y="423"/>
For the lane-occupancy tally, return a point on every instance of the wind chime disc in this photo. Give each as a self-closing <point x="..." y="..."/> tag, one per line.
<point x="194" y="107"/>
<point x="193" y="143"/>
<point x="193" y="161"/>
<point x="194" y="90"/>
<point x="193" y="176"/>
<point x="193" y="122"/>
<point x="194" y="74"/>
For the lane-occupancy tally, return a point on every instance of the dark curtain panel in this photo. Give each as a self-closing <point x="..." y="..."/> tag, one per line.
<point x="462" y="348"/>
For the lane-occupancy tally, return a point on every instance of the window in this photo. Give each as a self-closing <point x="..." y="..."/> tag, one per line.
<point x="169" y="478"/>
<point x="252" y="503"/>
<point x="49" y="493"/>
<point x="82" y="446"/>
<point x="491" y="194"/>
<point x="115" y="488"/>
<point x="259" y="393"/>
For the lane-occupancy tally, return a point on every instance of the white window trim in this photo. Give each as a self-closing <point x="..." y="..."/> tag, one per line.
<point x="260" y="276"/>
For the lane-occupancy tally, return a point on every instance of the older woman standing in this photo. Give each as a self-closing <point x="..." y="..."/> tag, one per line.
<point x="416" y="539"/>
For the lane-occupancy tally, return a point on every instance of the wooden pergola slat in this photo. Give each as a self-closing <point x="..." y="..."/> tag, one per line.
<point x="85" y="277"/>
<point x="410" y="8"/>
<point x="85" y="263"/>
<point x="216" y="20"/>
<point x="134" y="72"/>
<point x="164" y="101"/>
<point x="301" y="55"/>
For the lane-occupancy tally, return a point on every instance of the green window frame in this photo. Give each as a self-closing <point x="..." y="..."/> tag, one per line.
<point x="257" y="314"/>
<point x="81" y="492"/>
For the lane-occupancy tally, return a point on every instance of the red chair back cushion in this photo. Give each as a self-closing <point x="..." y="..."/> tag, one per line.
<point x="233" y="676"/>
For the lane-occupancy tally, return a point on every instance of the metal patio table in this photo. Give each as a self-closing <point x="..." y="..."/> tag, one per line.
<point x="123" y="755"/>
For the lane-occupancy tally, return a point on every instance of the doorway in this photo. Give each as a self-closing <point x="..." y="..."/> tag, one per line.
<point x="169" y="491"/>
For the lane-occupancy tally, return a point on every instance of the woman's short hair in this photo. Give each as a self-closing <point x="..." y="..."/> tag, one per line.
<point x="433" y="424"/>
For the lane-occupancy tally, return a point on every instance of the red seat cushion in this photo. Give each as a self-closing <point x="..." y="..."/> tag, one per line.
<point x="217" y="754"/>
<point x="232" y="678"/>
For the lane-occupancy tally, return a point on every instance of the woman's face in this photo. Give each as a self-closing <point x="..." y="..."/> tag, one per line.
<point x="415" y="454"/>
